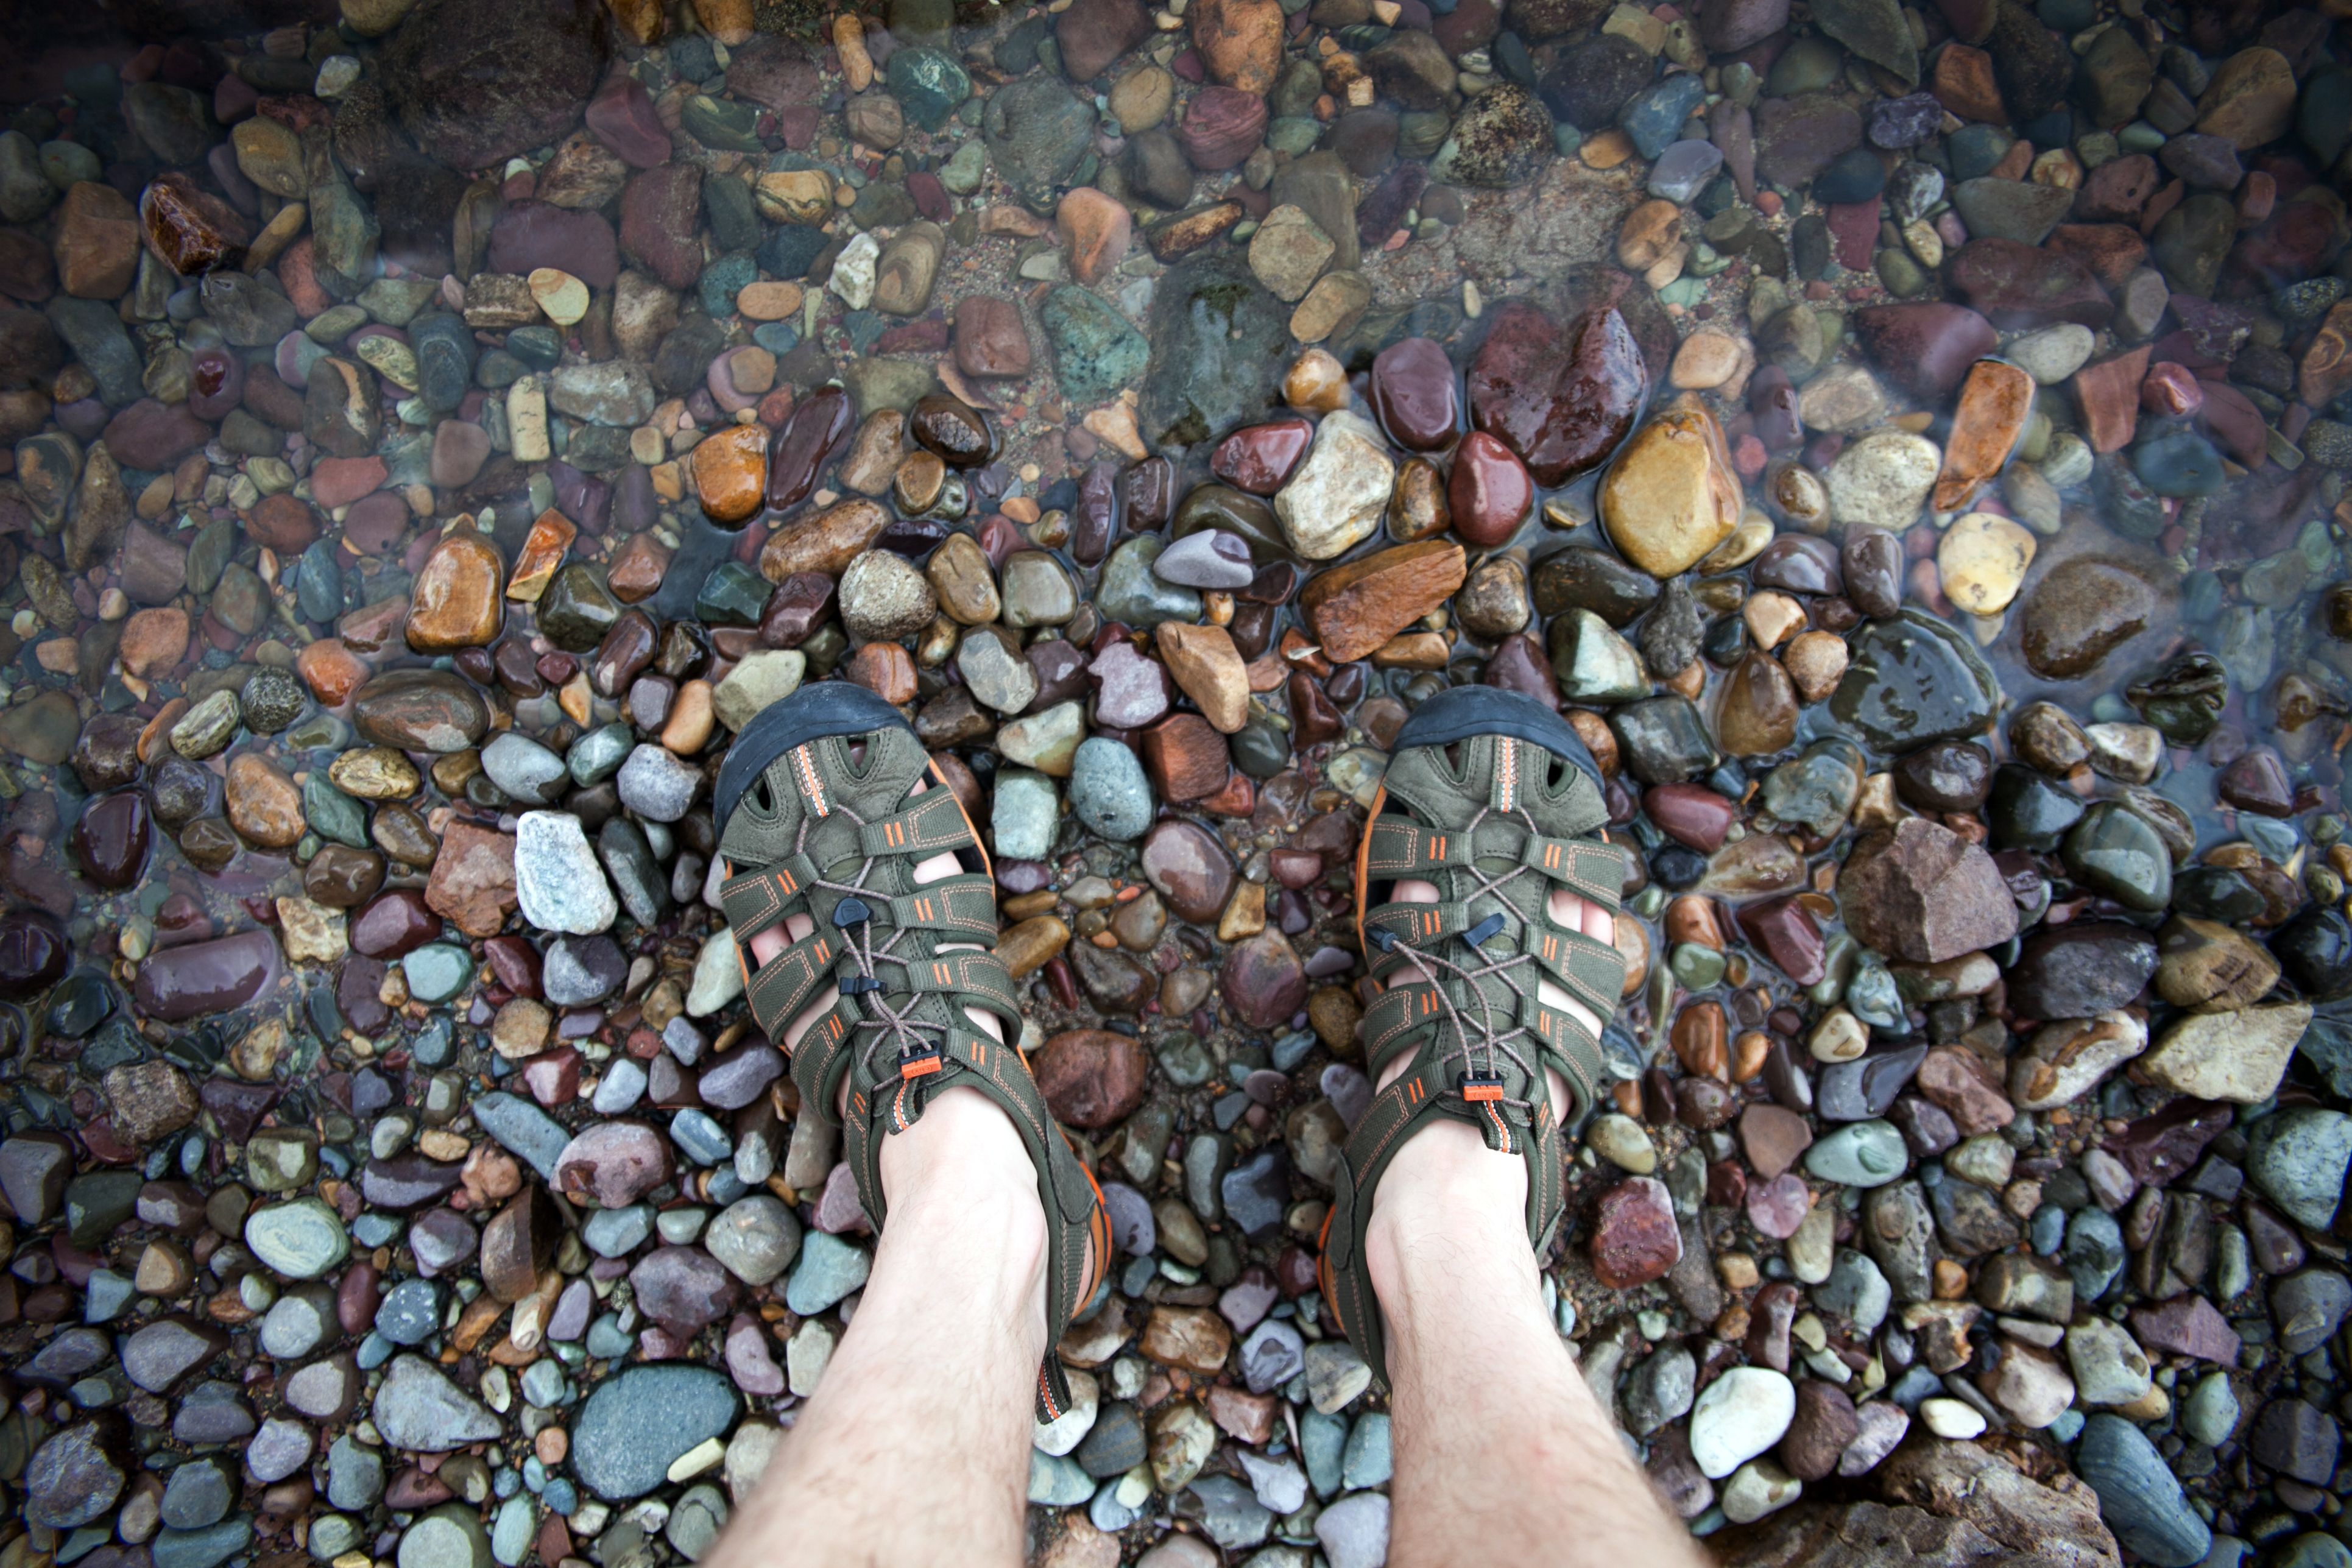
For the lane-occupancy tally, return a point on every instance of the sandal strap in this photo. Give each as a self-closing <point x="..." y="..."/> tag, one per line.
<point x="1593" y="871"/>
<point x="1425" y="1092"/>
<point x="1400" y="1019"/>
<point x="935" y="823"/>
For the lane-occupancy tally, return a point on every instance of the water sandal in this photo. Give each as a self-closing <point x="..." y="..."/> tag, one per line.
<point x="811" y="828"/>
<point x="1491" y="796"/>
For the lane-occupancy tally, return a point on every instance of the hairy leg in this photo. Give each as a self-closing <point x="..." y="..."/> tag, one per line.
<point x="1502" y="1455"/>
<point x="914" y="1447"/>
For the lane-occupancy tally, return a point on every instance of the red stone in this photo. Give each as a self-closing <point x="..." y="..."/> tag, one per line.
<point x="1223" y="126"/>
<point x="2016" y="286"/>
<point x="1415" y="394"/>
<point x="1259" y="457"/>
<point x="1489" y="492"/>
<point x="1691" y="813"/>
<point x="2170" y="392"/>
<point x="1186" y="757"/>
<point x="1091" y="1077"/>
<point x="2186" y="1325"/>
<point x="1786" y="932"/>
<point x="1563" y="401"/>
<point x="1634" y="1237"/>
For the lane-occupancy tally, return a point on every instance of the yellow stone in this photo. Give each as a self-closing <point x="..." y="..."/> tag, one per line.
<point x="1983" y="559"/>
<point x="1672" y="495"/>
<point x="562" y="297"/>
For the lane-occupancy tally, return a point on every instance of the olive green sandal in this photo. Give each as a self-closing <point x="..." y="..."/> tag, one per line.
<point x="1491" y="796"/>
<point x="809" y="826"/>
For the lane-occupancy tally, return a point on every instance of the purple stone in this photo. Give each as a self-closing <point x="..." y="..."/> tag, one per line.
<point x="1898" y="122"/>
<point x="1684" y="169"/>
<point x="1210" y="559"/>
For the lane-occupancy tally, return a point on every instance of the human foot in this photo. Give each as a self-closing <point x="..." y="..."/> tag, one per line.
<point x="859" y="899"/>
<point x="1485" y="898"/>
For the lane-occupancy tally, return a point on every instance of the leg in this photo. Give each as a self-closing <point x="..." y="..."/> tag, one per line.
<point x="1502" y="1455"/>
<point x="915" y="1448"/>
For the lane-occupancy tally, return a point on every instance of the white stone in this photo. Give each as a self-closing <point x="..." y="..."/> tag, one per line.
<point x="1066" y="1432"/>
<point x="1842" y="400"/>
<point x="806" y="1355"/>
<point x="2067" y="1059"/>
<point x="854" y="270"/>
<point x="559" y="885"/>
<point x="717" y="975"/>
<point x="748" y="1453"/>
<point x="1881" y="481"/>
<point x="1739" y="1416"/>
<point x="2109" y="1366"/>
<point x="527" y="421"/>
<point x="2052" y="353"/>
<point x="1336" y="499"/>
<point x="1758" y="1488"/>
<point x="1948" y="1417"/>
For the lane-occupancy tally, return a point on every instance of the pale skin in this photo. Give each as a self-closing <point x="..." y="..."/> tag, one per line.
<point x="914" y="1447"/>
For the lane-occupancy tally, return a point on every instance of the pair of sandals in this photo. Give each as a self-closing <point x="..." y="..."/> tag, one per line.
<point x="1489" y="796"/>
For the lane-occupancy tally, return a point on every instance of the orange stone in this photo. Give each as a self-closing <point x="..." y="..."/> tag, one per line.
<point x="886" y="670"/>
<point x="264" y="807"/>
<point x="1357" y="607"/>
<point x="456" y="601"/>
<point x="542" y="552"/>
<point x="1996" y="401"/>
<point x="1094" y="230"/>
<point x="731" y="472"/>
<point x="1240" y="41"/>
<point x="330" y="671"/>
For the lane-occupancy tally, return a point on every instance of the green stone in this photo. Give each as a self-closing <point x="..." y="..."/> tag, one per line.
<point x="928" y="85"/>
<point x="577" y="609"/>
<point x="732" y="595"/>
<point x="1132" y="595"/>
<point x="1096" y="351"/>
<point x="1219" y="343"/>
<point x="436" y="972"/>
<point x="2118" y="853"/>
<point x="1914" y="680"/>
<point x="332" y="813"/>
<point x="726" y="126"/>
<point x="1698" y="968"/>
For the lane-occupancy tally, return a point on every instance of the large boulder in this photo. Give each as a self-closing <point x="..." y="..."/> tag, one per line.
<point x="475" y="84"/>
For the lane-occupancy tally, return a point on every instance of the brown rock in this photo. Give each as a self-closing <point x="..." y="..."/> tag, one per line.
<point x="457" y="601"/>
<point x="826" y="542"/>
<point x="283" y="523"/>
<point x="1092" y="1078"/>
<point x="1357" y="607"/>
<point x="1210" y="669"/>
<point x="97" y="246"/>
<point x="154" y="640"/>
<point x="1193" y="1338"/>
<point x="1186" y="757"/>
<point x="2251" y="99"/>
<point x="149" y="1100"/>
<point x="472" y="886"/>
<point x="990" y="340"/>
<point x="2109" y="393"/>
<point x="1968" y="1087"/>
<point x="264" y="807"/>
<point x="519" y="1244"/>
<point x="1996" y="401"/>
<point x="1672" y="495"/>
<point x="1634" y="1237"/>
<point x="1963" y="82"/>
<point x="191" y="229"/>
<point x="1920" y="893"/>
